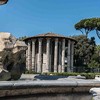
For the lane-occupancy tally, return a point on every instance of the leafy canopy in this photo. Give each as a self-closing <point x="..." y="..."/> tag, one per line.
<point x="84" y="49"/>
<point x="88" y="25"/>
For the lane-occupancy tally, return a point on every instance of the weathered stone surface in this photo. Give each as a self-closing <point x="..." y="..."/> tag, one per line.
<point x="80" y="77"/>
<point x="7" y="41"/>
<point x="19" y="46"/>
<point x="97" y="77"/>
<point x="11" y="51"/>
<point x="12" y="88"/>
<point x="28" y="77"/>
<point x="96" y="93"/>
<point x="4" y="74"/>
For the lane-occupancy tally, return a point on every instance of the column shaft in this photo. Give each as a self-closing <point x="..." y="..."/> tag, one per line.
<point x="39" y="67"/>
<point x="59" y="50"/>
<point x="51" y="56"/>
<point x="48" y="56"/>
<point x="55" y="55"/>
<point x="29" y="55"/>
<point x="33" y="55"/>
<point x="63" y="54"/>
<point x="72" y="54"/>
<point x="27" y="59"/>
<point x="69" y="57"/>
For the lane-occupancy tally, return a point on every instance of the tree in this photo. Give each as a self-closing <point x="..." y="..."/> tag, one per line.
<point x="98" y="50"/>
<point x="96" y="55"/>
<point x="22" y="38"/>
<point x="84" y="49"/>
<point x="95" y="60"/>
<point x="93" y="65"/>
<point x="88" y="25"/>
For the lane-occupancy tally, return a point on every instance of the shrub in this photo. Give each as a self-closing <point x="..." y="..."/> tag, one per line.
<point x="87" y="75"/>
<point x="30" y="72"/>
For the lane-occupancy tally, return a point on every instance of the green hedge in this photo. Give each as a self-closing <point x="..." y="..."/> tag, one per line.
<point x="87" y="75"/>
<point x="30" y="72"/>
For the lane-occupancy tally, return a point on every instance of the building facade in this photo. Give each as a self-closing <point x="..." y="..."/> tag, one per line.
<point x="46" y="53"/>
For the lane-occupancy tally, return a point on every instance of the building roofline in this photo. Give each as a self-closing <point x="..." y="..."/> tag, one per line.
<point x="49" y="35"/>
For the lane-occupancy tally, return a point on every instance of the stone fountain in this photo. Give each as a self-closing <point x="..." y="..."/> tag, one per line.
<point x="11" y="52"/>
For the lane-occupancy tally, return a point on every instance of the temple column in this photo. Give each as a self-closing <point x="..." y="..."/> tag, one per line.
<point x="55" y="54"/>
<point x="63" y="54"/>
<point x="72" y="54"/>
<point x="51" y="56"/>
<point x="59" y="67"/>
<point x="33" y="55"/>
<point x="29" y="56"/>
<point x="27" y="59"/>
<point x="69" y="57"/>
<point x="39" y="67"/>
<point x="48" y="55"/>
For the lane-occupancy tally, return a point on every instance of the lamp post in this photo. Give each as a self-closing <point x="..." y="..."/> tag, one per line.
<point x="3" y="2"/>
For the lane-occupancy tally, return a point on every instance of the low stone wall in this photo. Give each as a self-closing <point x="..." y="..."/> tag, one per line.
<point x="12" y="88"/>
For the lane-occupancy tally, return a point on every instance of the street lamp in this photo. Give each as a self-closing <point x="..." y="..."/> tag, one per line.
<point x="3" y="2"/>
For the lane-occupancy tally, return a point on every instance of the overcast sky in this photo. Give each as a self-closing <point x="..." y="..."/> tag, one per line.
<point x="31" y="17"/>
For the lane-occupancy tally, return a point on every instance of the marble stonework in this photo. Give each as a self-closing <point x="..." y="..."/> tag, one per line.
<point x="46" y="53"/>
<point x="8" y="43"/>
<point x="96" y="93"/>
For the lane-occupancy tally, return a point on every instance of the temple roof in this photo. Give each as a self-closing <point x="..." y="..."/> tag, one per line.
<point x="49" y="35"/>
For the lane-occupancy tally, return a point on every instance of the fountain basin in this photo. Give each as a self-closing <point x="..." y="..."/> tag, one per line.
<point x="28" y="87"/>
